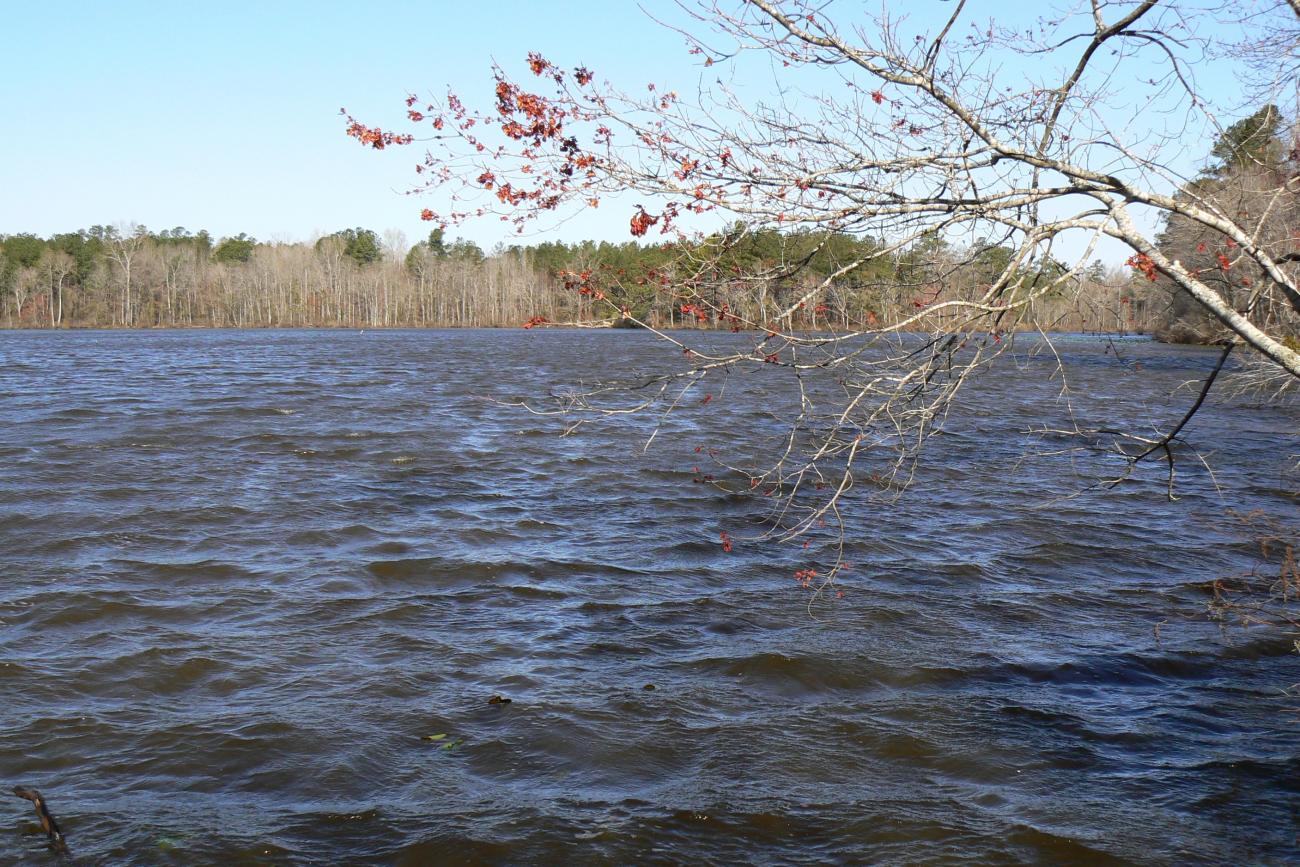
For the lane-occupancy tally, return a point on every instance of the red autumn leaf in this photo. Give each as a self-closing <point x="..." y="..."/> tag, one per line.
<point x="537" y="63"/>
<point x="641" y="221"/>
<point x="1142" y="262"/>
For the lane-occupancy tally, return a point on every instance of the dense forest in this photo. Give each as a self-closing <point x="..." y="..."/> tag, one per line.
<point x="130" y="276"/>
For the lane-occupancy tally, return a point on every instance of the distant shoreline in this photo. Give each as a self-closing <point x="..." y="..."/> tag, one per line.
<point x="548" y="327"/>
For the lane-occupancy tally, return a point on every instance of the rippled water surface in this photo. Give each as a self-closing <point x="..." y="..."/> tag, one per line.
<point x="243" y="574"/>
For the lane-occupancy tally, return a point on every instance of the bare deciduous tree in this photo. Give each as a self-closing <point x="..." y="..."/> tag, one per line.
<point x="56" y="266"/>
<point x="1049" y="138"/>
<point x="122" y="243"/>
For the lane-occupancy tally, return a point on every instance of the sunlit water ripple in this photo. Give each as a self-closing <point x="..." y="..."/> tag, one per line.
<point x="242" y="574"/>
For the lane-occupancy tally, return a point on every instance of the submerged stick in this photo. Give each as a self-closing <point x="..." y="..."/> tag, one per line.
<point x="48" y="825"/>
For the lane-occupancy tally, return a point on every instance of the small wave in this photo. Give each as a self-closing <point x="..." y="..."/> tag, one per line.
<point x="1106" y="670"/>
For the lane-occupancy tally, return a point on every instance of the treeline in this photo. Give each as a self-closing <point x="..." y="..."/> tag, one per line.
<point x="109" y="276"/>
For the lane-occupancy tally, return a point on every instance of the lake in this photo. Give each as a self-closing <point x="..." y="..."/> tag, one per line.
<point x="245" y="576"/>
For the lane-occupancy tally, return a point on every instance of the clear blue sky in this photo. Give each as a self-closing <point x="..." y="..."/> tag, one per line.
<point x="224" y="115"/>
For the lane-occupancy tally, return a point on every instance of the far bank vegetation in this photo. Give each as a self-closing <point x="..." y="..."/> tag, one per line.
<point x="129" y="276"/>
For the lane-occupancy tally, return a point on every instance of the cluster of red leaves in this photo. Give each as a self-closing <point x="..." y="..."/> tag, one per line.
<point x="536" y="321"/>
<point x="373" y="135"/>
<point x="701" y="315"/>
<point x="1142" y="263"/>
<point x="580" y="281"/>
<point x="805" y="577"/>
<point x="641" y="221"/>
<point x="726" y="542"/>
<point x="507" y="194"/>
<point x="654" y="275"/>
<point x="528" y="115"/>
<point x="1221" y="260"/>
<point x="725" y="314"/>
<point x="534" y="129"/>
<point x="539" y="140"/>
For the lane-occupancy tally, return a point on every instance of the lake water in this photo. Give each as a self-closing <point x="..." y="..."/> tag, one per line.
<point x="243" y="575"/>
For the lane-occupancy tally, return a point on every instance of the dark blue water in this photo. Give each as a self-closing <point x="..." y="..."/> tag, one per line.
<point x="243" y="575"/>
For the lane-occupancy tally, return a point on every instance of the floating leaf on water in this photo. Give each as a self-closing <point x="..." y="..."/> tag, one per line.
<point x="451" y="745"/>
<point x="437" y="737"/>
<point x="649" y="687"/>
<point x="496" y="699"/>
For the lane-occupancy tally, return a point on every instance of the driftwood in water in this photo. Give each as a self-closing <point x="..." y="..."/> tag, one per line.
<point x="48" y="825"/>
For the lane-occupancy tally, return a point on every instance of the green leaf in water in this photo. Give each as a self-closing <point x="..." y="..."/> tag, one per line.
<point x="437" y="737"/>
